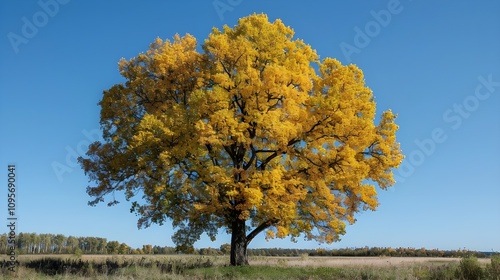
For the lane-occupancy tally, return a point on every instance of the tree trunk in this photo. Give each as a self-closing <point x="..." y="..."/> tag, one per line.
<point x="238" y="243"/>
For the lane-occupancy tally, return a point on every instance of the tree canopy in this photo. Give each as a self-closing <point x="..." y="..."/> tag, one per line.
<point x="255" y="133"/>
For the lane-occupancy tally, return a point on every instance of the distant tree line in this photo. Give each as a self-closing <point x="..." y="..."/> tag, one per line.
<point x="352" y="252"/>
<point x="369" y="252"/>
<point x="349" y="252"/>
<point x="46" y="243"/>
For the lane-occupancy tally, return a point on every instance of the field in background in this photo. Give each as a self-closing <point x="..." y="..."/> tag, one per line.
<point x="215" y="267"/>
<point x="354" y="262"/>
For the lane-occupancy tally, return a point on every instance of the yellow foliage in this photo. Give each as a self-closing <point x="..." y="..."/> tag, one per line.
<point x="247" y="130"/>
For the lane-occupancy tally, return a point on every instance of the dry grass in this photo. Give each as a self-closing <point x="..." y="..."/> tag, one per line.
<point x="304" y="267"/>
<point x="306" y="261"/>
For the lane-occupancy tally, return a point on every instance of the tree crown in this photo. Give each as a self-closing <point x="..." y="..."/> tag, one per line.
<point x="248" y="130"/>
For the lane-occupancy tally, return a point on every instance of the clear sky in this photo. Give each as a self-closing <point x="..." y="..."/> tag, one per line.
<point x="435" y="63"/>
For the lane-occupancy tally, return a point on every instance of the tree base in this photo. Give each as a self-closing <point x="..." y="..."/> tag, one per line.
<point x="238" y="244"/>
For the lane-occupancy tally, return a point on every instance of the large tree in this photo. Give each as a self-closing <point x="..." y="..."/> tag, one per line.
<point x="252" y="134"/>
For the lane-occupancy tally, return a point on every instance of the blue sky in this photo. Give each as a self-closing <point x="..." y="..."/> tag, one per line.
<point x="434" y="63"/>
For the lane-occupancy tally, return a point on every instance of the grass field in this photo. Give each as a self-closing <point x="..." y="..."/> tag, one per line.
<point x="215" y="267"/>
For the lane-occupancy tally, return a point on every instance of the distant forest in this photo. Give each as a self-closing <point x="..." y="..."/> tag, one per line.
<point x="34" y="243"/>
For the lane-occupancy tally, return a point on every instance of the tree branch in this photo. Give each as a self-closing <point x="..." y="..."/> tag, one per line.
<point x="260" y="228"/>
<point x="252" y="158"/>
<point x="225" y="69"/>
<point x="267" y="160"/>
<point x="317" y="123"/>
<point x="212" y="158"/>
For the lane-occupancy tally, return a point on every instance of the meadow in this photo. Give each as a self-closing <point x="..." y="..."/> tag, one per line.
<point x="215" y="267"/>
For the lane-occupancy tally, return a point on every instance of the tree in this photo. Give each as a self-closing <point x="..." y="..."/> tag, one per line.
<point x="36" y="243"/>
<point x="59" y="241"/>
<point x="147" y="249"/>
<point x="225" y="248"/>
<point x="72" y="243"/>
<point x="92" y="242"/>
<point x="112" y="247"/>
<point x="123" y="249"/>
<point x="209" y="252"/>
<point x="22" y="241"/>
<point x="47" y="242"/>
<point x="246" y="136"/>
<point x="101" y="245"/>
